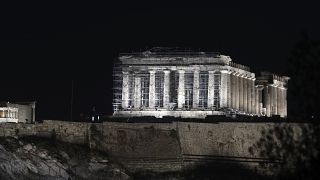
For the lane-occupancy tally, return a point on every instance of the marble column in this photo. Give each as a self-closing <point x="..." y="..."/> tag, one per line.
<point x="210" y="89"/>
<point x="275" y="100"/>
<point x="137" y="92"/>
<point x="152" y="89"/>
<point x="125" y="90"/>
<point x="263" y="107"/>
<point x="195" y="101"/>
<point x="229" y="100"/>
<point x="267" y="100"/>
<point x="257" y="101"/>
<point x="279" y="103"/>
<point x="181" y="90"/>
<point x="270" y="89"/>
<point x="237" y="91"/>
<point x="233" y="91"/>
<point x="241" y="106"/>
<point x="33" y="112"/>
<point x="253" y="96"/>
<point x="224" y="88"/>
<point x="284" y="96"/>
<point x="285" y="102"/>
<point x="166" y="89"/>
<point x="245" y="94"/>
<point x="249" y="95"/>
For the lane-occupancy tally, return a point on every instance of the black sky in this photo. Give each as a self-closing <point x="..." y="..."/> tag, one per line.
<point x="45" y="46"/>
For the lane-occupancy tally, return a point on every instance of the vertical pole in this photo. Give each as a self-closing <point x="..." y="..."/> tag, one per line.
<point x="71" y="101"/>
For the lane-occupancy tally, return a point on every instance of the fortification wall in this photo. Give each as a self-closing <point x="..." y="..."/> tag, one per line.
<point x="72" y="132"/>
<point x="139" y="146"/>
<point x="14" y="129"/>
<point x="136" y="140"/>
<point x="223" y="139"/>
<point x="159" y="146"/>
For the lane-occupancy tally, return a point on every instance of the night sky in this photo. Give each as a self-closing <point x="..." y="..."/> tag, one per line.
<point x="45" y="46"/>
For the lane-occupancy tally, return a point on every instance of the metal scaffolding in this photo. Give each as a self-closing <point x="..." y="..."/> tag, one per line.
<point x="188" y="87"/>
<point x="117" y="87"/>
<point x="145" y="83"/>
<point x="217" y="91"/>
<point x="159" y="89"/>
<point x="131" y="91"/>
<point x="203" y="89"/>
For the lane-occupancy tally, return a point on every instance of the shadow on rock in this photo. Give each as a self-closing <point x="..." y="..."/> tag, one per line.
<point x="37" y="158"/>
<point x="205" y="171"/>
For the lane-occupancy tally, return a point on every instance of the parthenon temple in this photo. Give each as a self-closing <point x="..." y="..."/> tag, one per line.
<point x="193" y="84"/>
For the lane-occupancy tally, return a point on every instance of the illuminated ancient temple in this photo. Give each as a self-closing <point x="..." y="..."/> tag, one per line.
<point x="193" y="85"/>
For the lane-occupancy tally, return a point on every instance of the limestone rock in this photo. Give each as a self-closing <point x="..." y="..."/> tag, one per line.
<point x="25" y="160"/>
<point x="28" y="147"/>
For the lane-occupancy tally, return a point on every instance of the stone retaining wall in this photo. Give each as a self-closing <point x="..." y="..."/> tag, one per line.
<point x="156" y="146"/>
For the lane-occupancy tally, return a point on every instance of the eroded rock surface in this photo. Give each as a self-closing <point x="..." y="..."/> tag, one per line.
<point x="34" y="158"/>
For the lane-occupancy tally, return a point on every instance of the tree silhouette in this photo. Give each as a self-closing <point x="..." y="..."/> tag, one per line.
<point x="294" y="148"/>
<point x="304" y="86"/>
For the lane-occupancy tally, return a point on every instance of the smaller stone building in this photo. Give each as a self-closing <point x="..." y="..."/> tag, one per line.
<point x="20" y="112"/>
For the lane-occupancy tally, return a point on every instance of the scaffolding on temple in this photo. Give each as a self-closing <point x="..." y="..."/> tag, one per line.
<point x="145" y="83"/>
<point x="159" y="89"/>
<point x="188" y="87"/>
<point x="117" y="87"/>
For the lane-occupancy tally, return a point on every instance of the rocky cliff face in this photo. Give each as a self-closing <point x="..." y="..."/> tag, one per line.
<point x="34" y="158"/>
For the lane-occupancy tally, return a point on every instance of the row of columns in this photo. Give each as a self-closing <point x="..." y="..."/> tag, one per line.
<point x="275" y="98"/>
<point x="9" y="113"/>
<point x="237" y="91"/>
<point x="243" y="93"/>
<point x="226" y="94"/>
<point x="225" y="84"/>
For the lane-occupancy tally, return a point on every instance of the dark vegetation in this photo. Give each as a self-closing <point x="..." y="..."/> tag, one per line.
<point x="296" y="148"/>
<point x="304" y="85"/>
